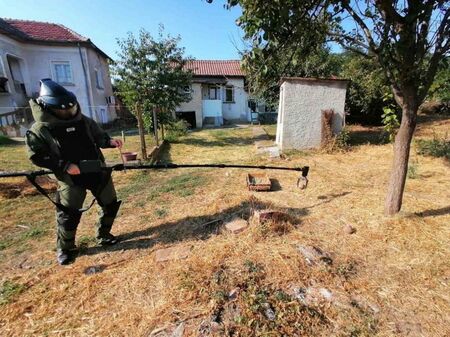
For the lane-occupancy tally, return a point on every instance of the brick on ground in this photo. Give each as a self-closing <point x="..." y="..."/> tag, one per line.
<point x="172" y="253"/>
<point x="237" y="225"/>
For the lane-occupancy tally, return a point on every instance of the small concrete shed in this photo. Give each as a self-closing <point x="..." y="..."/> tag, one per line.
<point x="303" y="103"/>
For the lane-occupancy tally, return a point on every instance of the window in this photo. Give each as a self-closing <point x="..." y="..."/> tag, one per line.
<point x="214" y="92"/>
<point x="99" y="79"/>
<point x="229" y="94"/>
<point x="62" y="72"/>
<point x="187" y="89"/>
<point x="110" y="100"/>
<point x="3" y="87"/>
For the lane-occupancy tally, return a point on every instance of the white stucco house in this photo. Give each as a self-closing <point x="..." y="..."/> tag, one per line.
<point x="302" y="105"/>
<point x="218" y="93"/>
<point x="31" y="51"/>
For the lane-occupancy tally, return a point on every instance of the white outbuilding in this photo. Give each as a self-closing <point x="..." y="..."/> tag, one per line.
<point x="306" y="106"/>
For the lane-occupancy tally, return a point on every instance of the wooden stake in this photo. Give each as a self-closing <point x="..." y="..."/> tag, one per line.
<point x="141" y="131"/>
<point x="155" y="127"/>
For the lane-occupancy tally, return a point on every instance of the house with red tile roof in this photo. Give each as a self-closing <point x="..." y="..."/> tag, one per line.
<point x="219" y="94"/>
<point x="31" y="51"/>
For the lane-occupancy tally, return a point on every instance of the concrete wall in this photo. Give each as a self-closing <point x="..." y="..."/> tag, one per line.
<point x="99" y="104"/>
<point x="36" y="63"/>
<point x="300" y="111"/>
<point x="239" y="109"/>
<point x="195" y="104"/>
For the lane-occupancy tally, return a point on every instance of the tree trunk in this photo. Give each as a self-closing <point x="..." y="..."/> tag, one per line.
<point x="402" y="147"/>
<point x="162" y="132"/>
<point x="155" y="127"/>
<point x="141" y="132"/>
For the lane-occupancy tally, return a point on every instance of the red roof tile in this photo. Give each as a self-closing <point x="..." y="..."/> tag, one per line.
<point x="215" y="67"/>
<point x="44" y="31"/>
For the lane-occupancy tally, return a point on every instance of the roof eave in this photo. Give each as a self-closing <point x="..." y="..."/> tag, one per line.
<point x="87" y="43"/>
<point x="312" y="79"/>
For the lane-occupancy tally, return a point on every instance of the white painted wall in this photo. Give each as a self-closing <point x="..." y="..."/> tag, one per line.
<point x="99" y="104"/>
<point x="37" y="64"/>
<point x="195" y="104"/>
<point x="300" y="111"/>
<point x="239" y="109"/>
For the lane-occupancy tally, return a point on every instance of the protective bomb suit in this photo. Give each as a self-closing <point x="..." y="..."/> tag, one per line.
<point x="62" y="139"/>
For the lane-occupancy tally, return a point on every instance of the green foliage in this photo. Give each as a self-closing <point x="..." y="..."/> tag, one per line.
<point x="390" y="118"/>
<point x="364" y="101"/>
<point x="283" y="35"/>
<point x="343" y="139"/>
<point x="436" y="147"/>
<point x="440" y="89"/>
<point x="176" y="130"/>
<point x="9" y="290"/>
<point x="150" y="74"/>
<point x="6" y="140"/>
<point x="265" y="69"/>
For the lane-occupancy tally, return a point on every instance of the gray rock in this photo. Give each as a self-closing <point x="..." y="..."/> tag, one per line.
<point x="314" y="296"/>
<point x="179" y="331"/>
<point x="314" y="255"/>
<point x="349" y="229"/>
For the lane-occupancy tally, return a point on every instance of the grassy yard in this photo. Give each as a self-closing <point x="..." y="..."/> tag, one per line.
<point x="390" y="278"/>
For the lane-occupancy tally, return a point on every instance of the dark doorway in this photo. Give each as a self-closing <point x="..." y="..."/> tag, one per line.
<point x="188" y="116"/>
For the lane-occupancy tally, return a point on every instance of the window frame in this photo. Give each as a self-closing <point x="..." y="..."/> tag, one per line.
<point x="216" y="90"/>
<point x="98" y="72"/>
<point x="226" y="89"/>
<point x="54" y="73"/>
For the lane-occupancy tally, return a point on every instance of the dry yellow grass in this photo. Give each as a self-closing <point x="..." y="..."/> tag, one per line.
<point x="399" y="264"/>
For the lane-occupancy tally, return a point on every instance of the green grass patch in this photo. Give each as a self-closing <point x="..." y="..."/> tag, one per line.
<point x="413" y="170"/>
<point x="436" y="147"/>
<point x="140" y="182"/>
<point x="34" y="233"/>
<point x="161" y="213"/>
<point x="9" y="290"/>
<point x="19" y="239"/>
<point x="86" y="241"/>
<point x="183" y="185"/>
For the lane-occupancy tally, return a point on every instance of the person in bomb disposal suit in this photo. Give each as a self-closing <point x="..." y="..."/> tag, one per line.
<point x="63" y="140"/>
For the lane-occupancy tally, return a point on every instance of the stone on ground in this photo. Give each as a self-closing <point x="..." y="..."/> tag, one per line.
<point x="172" y="253"/>
<point x="316" y="296"/>
<point x="237" y="225"/>
<point x="349" y="229"/>
<point x="314" y="255"/>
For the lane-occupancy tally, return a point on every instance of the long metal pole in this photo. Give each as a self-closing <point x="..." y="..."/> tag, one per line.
<point x="120" y="167"/>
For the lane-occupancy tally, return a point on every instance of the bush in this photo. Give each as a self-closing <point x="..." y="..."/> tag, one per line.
<point x="343" y="138"/>
<point x="176" y="130"/>
<point x="435" y="147"/>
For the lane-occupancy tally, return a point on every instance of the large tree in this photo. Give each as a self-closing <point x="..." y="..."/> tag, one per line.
<point x="151" y="78"/>
<point x="408" y="39"/>
<point x="264" y="72"/>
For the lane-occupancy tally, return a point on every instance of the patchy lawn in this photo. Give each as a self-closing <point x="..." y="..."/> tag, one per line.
<point x="390" y="278"/>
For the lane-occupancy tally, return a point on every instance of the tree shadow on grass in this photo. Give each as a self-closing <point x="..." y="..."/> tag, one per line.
<point x="434" y="212"/>
<point x="372" y="136"/>
<point x="192" y="227"/>
<point x="222" y="141"/>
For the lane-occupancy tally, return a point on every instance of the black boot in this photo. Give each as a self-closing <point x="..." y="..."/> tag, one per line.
<point x="64" y="257"/>
<point x="108" y="240"/>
